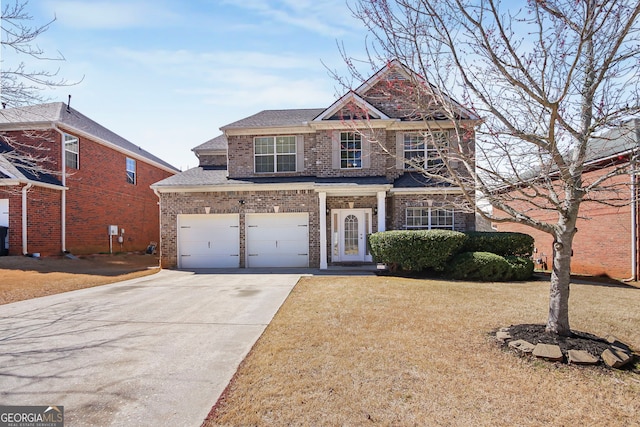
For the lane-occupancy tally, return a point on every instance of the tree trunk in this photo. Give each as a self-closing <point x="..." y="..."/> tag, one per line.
<point x="558" y="320"/>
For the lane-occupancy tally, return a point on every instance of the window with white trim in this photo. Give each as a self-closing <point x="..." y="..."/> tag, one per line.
<point x="429" y="218"/>
<point x="350" y="150"/>
<point x="274" y="154"/>
<point x="131" y="171"/>
<point x="71" y="151"/>
<point x="420" y="149"/>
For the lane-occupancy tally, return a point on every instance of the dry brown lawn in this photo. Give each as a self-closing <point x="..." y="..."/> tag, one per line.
<point x="23" y="278"/>
<point x="401" y="352"/>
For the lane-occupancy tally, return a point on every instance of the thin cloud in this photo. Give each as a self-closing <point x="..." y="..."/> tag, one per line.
<point x="319" y="17"/>
<point x="111" y="15"/>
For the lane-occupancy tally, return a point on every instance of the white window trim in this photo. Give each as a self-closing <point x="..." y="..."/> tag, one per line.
<point x="275" y="154"/>
<point x="430" y="215"/>
<point x="70" y="139"/>
<point x="135" y="170"/>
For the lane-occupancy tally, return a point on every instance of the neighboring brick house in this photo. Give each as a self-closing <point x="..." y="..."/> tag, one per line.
<point x="87" y="179"/>
<point x="607" y="239"/>
<point x="304" y="187"/>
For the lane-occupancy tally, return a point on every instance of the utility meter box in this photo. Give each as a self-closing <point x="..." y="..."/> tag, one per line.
<point x="113" y="230"/>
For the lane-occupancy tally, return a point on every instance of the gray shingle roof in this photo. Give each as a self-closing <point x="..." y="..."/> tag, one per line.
<point x="203" y="176"/>
<point x="57" y="112"/>
<point x="217" y="143"/>
<point x="276" y="118"/>
<point x="16" y="168"/>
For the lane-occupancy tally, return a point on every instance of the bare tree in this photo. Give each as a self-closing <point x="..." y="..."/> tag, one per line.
<point x="547" y="79"/>
<point x="21" y="85"/>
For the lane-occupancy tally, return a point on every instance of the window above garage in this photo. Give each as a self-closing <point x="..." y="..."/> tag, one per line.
<point x="275" y="154"/>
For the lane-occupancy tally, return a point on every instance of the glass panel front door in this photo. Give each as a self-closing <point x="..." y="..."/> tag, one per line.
<point x="352" y="235"/>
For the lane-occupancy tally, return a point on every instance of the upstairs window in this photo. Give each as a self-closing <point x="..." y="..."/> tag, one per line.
<point x="131" y="171"/>
<point x="71" y="151"/>
<point x="420" y="150"/>
<point x="350" y="150"/>
<point x="275" y="154"/>
<point x="426" y="218"/>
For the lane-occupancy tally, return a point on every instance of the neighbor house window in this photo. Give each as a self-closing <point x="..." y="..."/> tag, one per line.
<point x="131" y="171"/>
<point x="426" y="218"/>
<point x="275" y="154"/>
<point x="350" y="150"/>
<point x="71" y="151"/>
<point x="420" y="149"/>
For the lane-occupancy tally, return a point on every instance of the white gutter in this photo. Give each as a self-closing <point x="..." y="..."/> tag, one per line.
<point x="24" y="217"/>
<point x="63" y="201"/>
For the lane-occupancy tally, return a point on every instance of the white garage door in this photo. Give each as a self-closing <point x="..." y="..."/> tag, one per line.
<point x="278" y="240"/>
<point x="209" y="241"/>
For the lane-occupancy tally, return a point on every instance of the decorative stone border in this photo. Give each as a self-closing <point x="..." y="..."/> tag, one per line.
<point x="615" y="355"/>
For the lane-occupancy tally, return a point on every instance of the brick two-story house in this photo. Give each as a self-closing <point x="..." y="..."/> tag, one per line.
<point x="81" y="179"/>
<point x="304" y="187"/>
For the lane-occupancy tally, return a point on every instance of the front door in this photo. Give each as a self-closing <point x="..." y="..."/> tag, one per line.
<point x="350" y="229"/>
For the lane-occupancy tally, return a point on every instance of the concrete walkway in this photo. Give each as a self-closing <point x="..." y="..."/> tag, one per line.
<point x="154" y="351"/>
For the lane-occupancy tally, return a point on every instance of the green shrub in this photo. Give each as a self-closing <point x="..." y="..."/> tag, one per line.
<point x="482" y="266"/>
<point x="521" y="267"/>
<point x="500" y="243"/>
<point x="415" y="250"/>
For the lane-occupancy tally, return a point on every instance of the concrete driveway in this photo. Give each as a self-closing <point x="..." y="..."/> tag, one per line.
<point x="154" y="351"/>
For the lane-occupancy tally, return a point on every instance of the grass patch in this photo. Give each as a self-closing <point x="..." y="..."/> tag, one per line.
<point x="401" y="351"/>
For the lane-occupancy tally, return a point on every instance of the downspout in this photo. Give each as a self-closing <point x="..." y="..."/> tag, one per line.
<point x="63" y="201"/>
<point x="157" y="193"/>
<point x="25" y="189"/>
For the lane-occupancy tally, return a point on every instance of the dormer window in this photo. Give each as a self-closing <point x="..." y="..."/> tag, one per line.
<point x="275" y="154"/>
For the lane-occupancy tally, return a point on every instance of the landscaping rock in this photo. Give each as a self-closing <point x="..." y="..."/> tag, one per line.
<point x="616" y="358"/>
<point x="503" y="336"/>
<point x="522" y="345"/>
<point x="581" y="357"/>
<point x="548" y="351"/>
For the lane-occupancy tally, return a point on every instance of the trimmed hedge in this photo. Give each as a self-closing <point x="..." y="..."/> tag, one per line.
<point x="489" y="267"/>
<point x="521" y="267"/>
<point x="482" y="266"/>
<point x="500" y="243"/>
<point x="416" y="250"/>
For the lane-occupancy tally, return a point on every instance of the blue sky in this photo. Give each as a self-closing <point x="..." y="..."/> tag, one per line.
<point x="168" y="74"/>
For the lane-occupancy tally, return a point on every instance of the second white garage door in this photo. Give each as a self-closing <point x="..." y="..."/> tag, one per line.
<point x="277" y="240"/>
<point x="209" y="241"/>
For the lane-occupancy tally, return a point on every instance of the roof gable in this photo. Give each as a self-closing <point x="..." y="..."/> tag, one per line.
<point x="395" y="90"/>
<point x="351" y="107"/>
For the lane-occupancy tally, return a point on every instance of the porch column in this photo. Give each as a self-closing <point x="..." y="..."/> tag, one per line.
<point x="382" y="209"/>
<point x="322" y="196"/>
